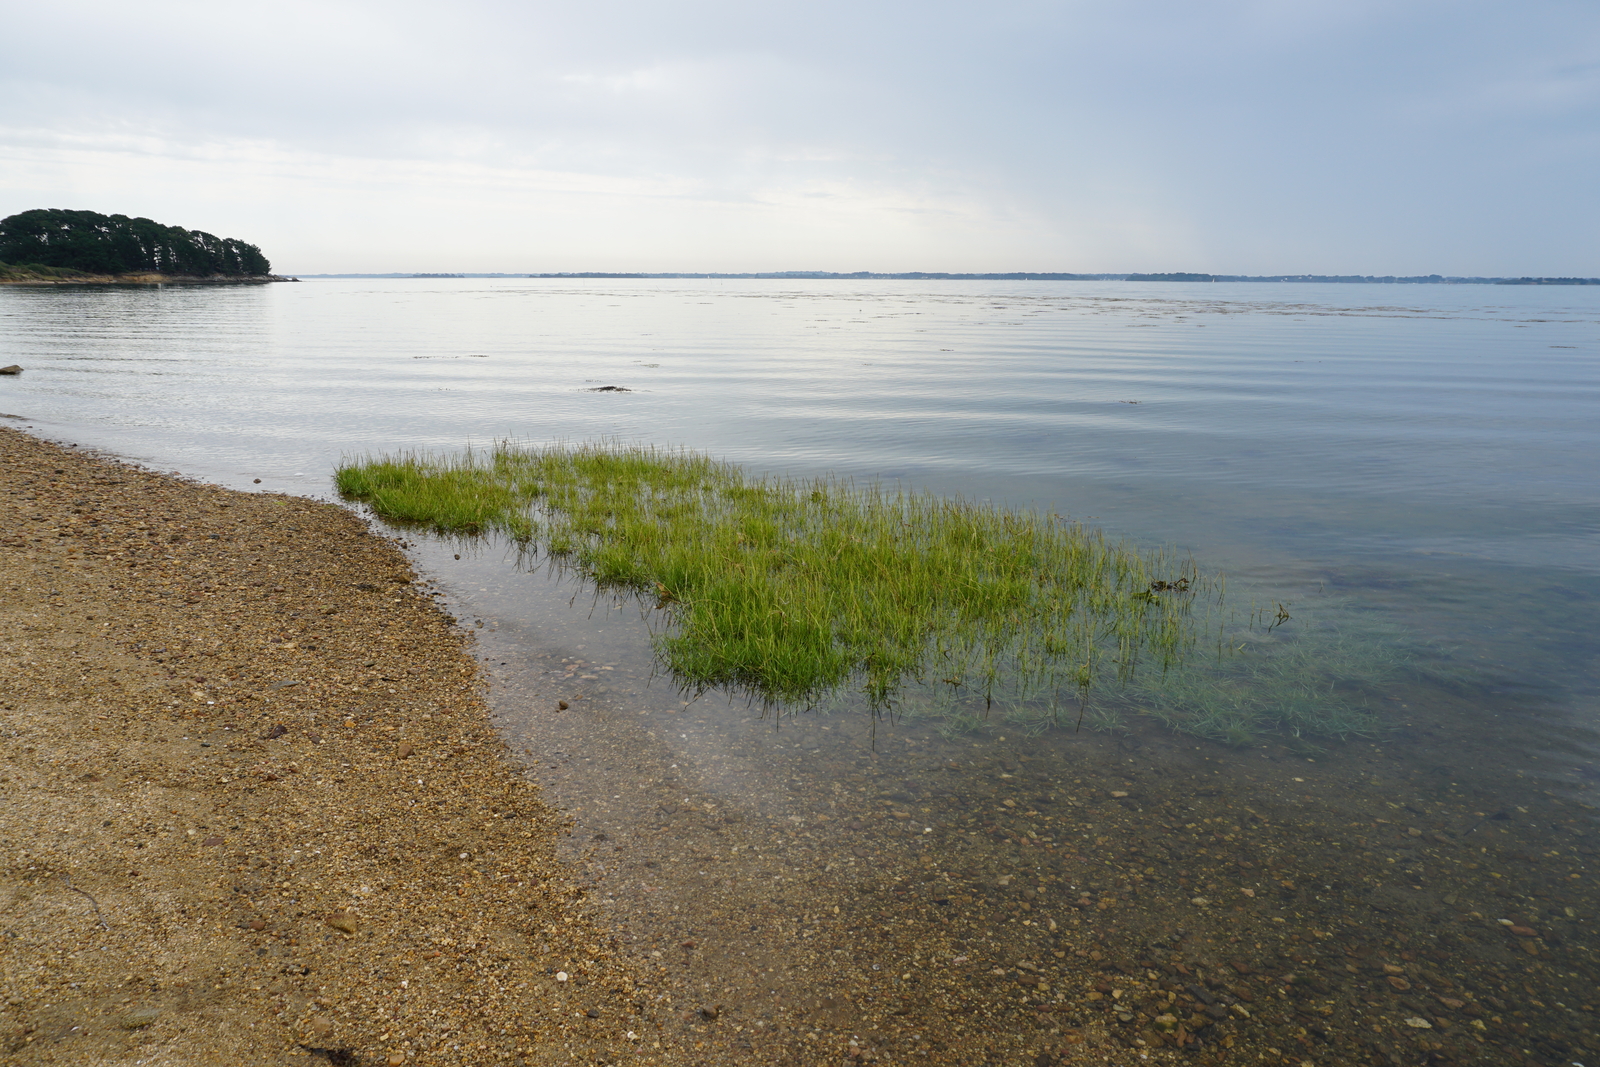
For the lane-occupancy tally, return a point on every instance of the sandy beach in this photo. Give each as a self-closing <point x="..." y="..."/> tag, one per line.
<point x="253" y="809"/>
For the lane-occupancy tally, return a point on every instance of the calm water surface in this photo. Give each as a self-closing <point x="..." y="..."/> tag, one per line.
<point x="1411" y="467"/>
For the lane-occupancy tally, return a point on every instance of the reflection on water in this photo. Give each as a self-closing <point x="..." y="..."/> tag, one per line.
<point x="1410" y="481"/>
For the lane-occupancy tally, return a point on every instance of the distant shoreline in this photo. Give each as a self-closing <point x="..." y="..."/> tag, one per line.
<point x="1014" y="276"/>
<point x="18" y="276"/>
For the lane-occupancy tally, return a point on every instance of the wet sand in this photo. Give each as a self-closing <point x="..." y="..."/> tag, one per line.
<point x="253" y="810"/>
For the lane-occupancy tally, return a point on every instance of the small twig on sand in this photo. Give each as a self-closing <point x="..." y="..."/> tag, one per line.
<point x="67" y="879"/>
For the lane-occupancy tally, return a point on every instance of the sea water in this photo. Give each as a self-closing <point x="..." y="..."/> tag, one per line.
<point x="1401" y="473"/>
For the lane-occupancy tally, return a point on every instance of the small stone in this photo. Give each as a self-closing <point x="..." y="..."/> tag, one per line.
<point x="1166" y="1023"/>
<point x="13" y="369"/>
<point x="562" y="705"/>
<point x="1118" y="794"/>
<point x="258" y="924"/>
<point x="561" y="976"/>
<point x="1530" y="947"/>
<point x="319" y="1027"/>
<point x="139" y="1018"/>
<point x="404" y="750"/>
<point x="396" y="1059"/>
<point x="1200" y="902"/>
<point x="1417" y="1023"/>
<point x="1393" y="968"/>
<point x="1452" y="1003"/>
<point x="1398" y="983"/>
<point x="1412" y="831"/>
<point x="1523" y="931"/>
<point x="342" y="921"/>
<point x="212" y="840"/>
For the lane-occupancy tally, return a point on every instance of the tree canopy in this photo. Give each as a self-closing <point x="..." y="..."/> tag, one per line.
<point x="116" y="244"/>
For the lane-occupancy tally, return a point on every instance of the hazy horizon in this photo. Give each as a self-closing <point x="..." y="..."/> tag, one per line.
<point x="1235" y="137"/>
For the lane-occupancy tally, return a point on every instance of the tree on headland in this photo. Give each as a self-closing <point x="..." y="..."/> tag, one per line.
<point x="116" y="244"/>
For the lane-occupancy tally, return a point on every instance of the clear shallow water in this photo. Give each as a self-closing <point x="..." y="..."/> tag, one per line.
<point x="1413" y="463"/>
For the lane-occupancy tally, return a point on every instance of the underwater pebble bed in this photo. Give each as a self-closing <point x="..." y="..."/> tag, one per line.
<point x="824" y="884"/>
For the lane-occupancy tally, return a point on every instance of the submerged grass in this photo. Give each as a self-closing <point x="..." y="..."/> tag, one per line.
<point x="1314" y="682"/>
<point x="792" y="589"/>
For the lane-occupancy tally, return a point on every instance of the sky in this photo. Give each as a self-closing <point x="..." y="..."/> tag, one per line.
<point x="1348" y="136"/>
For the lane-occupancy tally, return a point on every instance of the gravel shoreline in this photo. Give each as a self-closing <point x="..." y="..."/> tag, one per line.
<point x="253" y="808"/>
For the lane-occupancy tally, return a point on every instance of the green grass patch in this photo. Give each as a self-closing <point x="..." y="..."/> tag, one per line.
<point x="793" y="589"/>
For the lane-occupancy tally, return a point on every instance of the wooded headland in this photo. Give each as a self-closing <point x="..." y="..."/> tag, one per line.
<point x="57" y="246"/>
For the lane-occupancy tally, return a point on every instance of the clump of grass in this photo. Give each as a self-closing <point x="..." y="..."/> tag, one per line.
<point x="790" y="589"/>
<point x="455" y="499"/>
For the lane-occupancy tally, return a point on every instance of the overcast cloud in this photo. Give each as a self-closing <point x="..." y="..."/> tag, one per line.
<point x="1405" y="137"/>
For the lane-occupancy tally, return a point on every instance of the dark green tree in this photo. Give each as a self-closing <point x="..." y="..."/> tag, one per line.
<point x="116" y="244"/>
